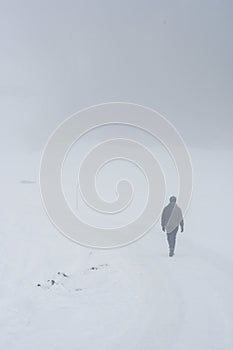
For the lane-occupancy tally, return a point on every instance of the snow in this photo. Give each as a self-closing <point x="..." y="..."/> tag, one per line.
<point x="134" y="297"/>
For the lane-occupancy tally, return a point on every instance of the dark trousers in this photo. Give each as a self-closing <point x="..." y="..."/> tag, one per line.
<point x="171" y="238"/>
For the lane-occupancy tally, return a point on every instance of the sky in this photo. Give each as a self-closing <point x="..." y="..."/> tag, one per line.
<point x="57" y="57"/>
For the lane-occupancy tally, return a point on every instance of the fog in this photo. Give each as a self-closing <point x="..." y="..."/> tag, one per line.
<point x="60" y="56"/>
<point x="57" y="57"/>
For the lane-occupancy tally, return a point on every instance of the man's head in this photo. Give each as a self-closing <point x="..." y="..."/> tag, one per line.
<point x="172" y="199"/>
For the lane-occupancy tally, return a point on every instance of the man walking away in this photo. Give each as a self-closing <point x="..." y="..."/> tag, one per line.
<point x="171" y="219"/>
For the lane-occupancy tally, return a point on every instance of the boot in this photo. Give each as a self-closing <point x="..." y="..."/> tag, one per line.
<point x="171" y="253"/>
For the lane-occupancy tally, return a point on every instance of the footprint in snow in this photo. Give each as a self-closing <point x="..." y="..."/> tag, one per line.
<point x="63" y="274"/>
<point x="27" y="182"/>
<point x="59" y="282"/>
<point x="95" y="268"/>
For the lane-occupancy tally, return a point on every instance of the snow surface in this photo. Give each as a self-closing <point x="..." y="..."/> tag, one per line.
<point x="134" y="297"/>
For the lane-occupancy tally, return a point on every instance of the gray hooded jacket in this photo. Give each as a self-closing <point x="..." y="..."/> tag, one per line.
<point x="172" y="217"/>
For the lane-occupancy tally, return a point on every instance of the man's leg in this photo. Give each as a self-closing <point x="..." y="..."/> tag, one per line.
<point x="171" y="237"/>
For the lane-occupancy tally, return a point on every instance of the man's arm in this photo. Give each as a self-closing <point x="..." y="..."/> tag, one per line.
<point x="163" y="219"/>
<point x="182" y="225"/>
<point x="182" y="221"/>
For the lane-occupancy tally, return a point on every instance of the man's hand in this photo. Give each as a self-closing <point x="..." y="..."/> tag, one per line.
<point x="182" y="229"/>
<point x="163" y="228"/>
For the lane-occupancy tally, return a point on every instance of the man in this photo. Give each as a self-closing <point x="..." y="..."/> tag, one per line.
<point x="171" y="219"/>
